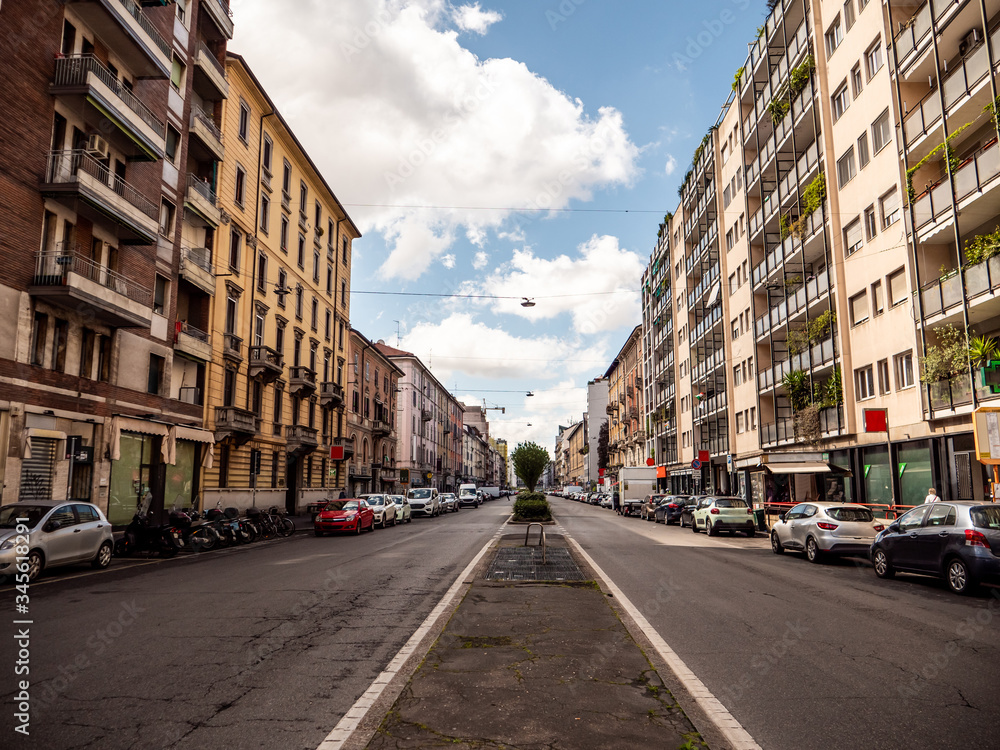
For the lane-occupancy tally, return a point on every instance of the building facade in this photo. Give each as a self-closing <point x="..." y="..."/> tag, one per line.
<point x="626" y="431"/>
<point x="596" y="416"/>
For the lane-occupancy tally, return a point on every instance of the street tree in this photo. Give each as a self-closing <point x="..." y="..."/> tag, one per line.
<point x="602" y="446"/>
<point x="530" y="460"/>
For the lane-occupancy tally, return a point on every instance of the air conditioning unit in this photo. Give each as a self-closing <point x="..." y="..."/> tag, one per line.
<point x="970" y="41"/>
<point x="98" y="146"/>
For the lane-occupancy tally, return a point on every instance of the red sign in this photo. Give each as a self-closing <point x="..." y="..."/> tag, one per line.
<point x="650" y="462"/>
<point x="876" y="420"/>
<point x="704" y="457"/>
<point x="661" y="472"/>
<point x="337" y="453"/>
<point x="600" y="472"/>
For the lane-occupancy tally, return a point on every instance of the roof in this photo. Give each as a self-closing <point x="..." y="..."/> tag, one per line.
<point x="390" y="351"/>
<point x="370" y="345"/>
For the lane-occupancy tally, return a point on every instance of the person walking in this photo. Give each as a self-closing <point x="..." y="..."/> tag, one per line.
<point x="615" y="505"/>
<point x="932" y="496"/>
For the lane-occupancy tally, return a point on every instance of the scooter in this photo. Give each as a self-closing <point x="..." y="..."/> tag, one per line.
<point x="198" y="534"/>
<point x="142" y="536"/>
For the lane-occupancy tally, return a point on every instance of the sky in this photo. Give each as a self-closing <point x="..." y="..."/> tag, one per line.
<point x="500" y="151"/>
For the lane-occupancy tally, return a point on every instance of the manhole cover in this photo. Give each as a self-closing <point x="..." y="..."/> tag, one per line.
<point x="525" y="564"/>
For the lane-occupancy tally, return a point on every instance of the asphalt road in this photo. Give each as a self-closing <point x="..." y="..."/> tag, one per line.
<point x="803" y="655"/>
<point x="264" y="646"/>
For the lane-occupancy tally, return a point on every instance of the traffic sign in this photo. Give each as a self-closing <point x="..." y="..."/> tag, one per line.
<point x="696" y="464"/>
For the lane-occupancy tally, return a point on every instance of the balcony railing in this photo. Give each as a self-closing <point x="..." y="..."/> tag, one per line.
<point x="206" y="120"/>
<point x="203" y="188"/>
<point x="777" y="432"/>
<point x="924" y="116"/>
<point x="331" y="394"/>
<point x="198" y="256"/>
<point x="949" y="394"/>
<point x="136" y="12"/>
<point x="346" y="443"/>
<point x="195" y="333"/>
<point x="236" y="420"/>
<point x="232" y="345"/>
<point x="912" y="36"/>
<point x="74" y="71"/>
<point x="203" y="48"/>
<point x="64" y="167"/>
<point x="53" y="267"/>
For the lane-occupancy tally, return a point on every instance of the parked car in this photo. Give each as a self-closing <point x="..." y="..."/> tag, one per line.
<point x="825" y="529"/>
<point x="672" y="508"/>
<point x="957" y="541"/>
<point x="383" y="508"/>
<point x="649" y="505"/>
<point x="58" y="533"/>
<point x="715" y="514"/>
<point x="403" y="512"/>
<point x="424" y="501"/>
<point x="449" y="502"/>
<point x="467" y="495"/>
<point x="344" y="515"/>
<point x="687" y="512"/>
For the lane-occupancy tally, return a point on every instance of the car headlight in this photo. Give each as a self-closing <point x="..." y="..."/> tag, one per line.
<point x="8" y="544"/>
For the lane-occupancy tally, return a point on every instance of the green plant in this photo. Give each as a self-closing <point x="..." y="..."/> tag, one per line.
<point x="797" y="341"/>
<point x="947" y="358"/>
<point x="792" y="282"/>
<point x="785" y="226"/>
<point x="814" y="194"/>
<point x="830" y="393"/>
<point x="993" y="108"/>
<point x="805" y="422"/>
<point x="821" y="326"/>
<point x="983" y="349"/>
<point x="736" y="80"/>
<point x="796" y="383"/>
<point x="949" y="154"/>
<point x="778" y="109"/>
<point x="800" y="75"/>
<point x="982" y="247"/>
<point x="532" y="506"/>
<point x="529" y="460"/>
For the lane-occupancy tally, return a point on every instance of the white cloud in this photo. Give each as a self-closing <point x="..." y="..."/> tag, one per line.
<point x="429" y="124"/>
<point x="480" y="261"/>
<point x="515" y="235"/>
<point x="671" y="165"/>
<point x="598" y="286"/>
<point x="448" y="261"/>
<point x="473" y="18"/>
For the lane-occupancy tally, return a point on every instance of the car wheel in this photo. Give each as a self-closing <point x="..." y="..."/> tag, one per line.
<point x="813" y="552"/>
<point x="776" y="547"/>
<point x="880" y="561"/>
<point x="357" y="527"/>
<point x="103" y="557"/>
<point x="318" y="532"/>
<point x="710" y="528"/>
<point x="409" y="519"/>
<point x="957" y="575"/>
<point x="694" y="525"/>
<point x="751" y="533"/>
<point x="682" y="522"/>
<point x="36" y="562"/>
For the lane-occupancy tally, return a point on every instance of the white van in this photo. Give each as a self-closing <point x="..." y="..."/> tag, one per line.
<point x="467" y="495"/>
<point x="424" y="501"/>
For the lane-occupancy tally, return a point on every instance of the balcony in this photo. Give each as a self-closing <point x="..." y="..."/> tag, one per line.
<point x="301" y="440"/>
<point x="346" y="443"/>
<point x="782" y="431"/>
<point x="232" y="347"/>
<point x="239" y="425"/>
<point x="85" y="76"/>
<point x="201" y="199"/>
<point x="361" y="471"/>
<point x="70" y="280"/>
<point x="196" y="268"/>
<point x="331" y="395"/>
<point x="209" y="75"/>
<point x="949" y="396"/>
<point x="381" y="428"/>
<point x="425" y="415"/>
<point x="193" y="343"/>
<point x="207" y="142"/>
<point x="301" y="381"/>
<point x="123" y="27"/>
<point x="83" y="183"/>
<point x="265" y="364"/>
<point x="220" y="15"/>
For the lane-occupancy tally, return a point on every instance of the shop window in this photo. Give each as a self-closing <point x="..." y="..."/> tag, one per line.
<point x="914" y="467"/>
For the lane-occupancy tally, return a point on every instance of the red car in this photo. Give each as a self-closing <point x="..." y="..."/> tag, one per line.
<point x="345" y="515"/>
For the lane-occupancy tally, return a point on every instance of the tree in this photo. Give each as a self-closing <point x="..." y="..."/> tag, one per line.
<point x="530" y="460"/>
<point x="603" y="437"/>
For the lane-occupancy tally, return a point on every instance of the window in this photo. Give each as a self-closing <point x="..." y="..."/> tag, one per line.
<point x="314" y="318"/>
<point x="848" y="14"/>
<point x="316" y="266"/>
<point x="302" y="251"/>
<point x="752" y="421"/>
<point x="231" y="313"/>
<point x="878" y="298"/>
<point x="845" y="167"/>
<point x="863" y="156"/>
<point x="173" y="143"/>
<point x="177" y="71"/>
<point x="890" y="208"/>
<point x="282" y="284"/>
<point x="87" y="354"/>
<point x="257" y="397"/>
<point x="740" y="422"/>
<point x="329" y="280"/>
<point x="903" y="364"/>
<point x="303" y="197"/>
<point x="167" y="212"/>
<point x="244" y="121"/>
<point x="737" y="376"/>
<point x="873" y="59"/>
<point x="344" y="245"/>
<point x="241" y="186"/>
<point x="286" y="180"/>
<point x="268" y="154"/>
<point x="284" y="234"/>
<point x="340" y="335"/>
<point x="298" y="302"/>
<point x="235" y="242"/>
<point x="265" y="213"/>
<point x="859" y="308"/>
<point x="159" y="295"/>
<point x="60" y="337"/>
<point x="319" y="219"/>
<point x="841" y="101"/>
<point x="104" y="358"/>
<point x="343" y="292"/>
<point x="328" y="327"/>
<point x="870" y="225"/>
<point x="155" y="379"/>
<point x="853" y="237"/>
<point x="262" y="272"/>
<point x="881" y="132"/>
<point x="865" y="383"/>
<point x="279" y="337"/>
<point x="883" y="377"/>
<point x="834" y="36"/>
<point x="897" y="287"/>
<point x="856" y="84"/>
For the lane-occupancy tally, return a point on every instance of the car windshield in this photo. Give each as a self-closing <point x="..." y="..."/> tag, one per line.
<point x="375" y="500"/>
<point x="850" y="514"/>
<point x="398" y="499"/>
<point x="10" y="514"/>
<point x="987" y="517"/>
<point x="420" y="494"/>
<point x="727" y="502"/>
<point x="343" y="505"/>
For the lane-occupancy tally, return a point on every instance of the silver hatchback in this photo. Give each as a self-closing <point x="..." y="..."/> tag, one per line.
<point x="826" y="529"/>
<point x="57" y="533"/>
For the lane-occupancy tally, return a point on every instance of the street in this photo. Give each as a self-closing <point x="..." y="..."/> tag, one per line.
<point x="268" y="646"/>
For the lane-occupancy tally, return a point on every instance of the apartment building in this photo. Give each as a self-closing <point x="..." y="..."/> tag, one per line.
<point x="596" y="417"/>
<point x="430" y="426"/>
<point x="843" y="201"/>
<point x="372" y="385"/>
<point x="267" y="232"/>
<point x="626" y="431"/>
<point x="476" y="449"/>
<point x="100" y="401"/>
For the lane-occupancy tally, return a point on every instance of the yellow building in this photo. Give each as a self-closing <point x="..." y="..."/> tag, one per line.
<point x="280" y="328"/>
<point x="626" y="433"/>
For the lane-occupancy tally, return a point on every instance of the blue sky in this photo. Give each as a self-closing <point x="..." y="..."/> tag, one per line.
<point x="476" y="112"/>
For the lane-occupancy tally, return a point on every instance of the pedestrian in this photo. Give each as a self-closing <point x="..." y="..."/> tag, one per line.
<point x="615" y="505"/>
<point x="932" y="496"/>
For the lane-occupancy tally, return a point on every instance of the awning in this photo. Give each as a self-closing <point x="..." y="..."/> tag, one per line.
<point x="713" y="296"/>
<point x="38" y="433"/>
<point x="126" y="424"/>
<point x="805" y="467"/>
<point x="179" y="432"/>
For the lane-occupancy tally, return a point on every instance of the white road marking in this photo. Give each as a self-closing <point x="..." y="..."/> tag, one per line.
<point x="353" y="718"/>
<point x="731" y="729"/>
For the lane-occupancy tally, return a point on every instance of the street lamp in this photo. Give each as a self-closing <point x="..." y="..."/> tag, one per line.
<point x="527" y="302"/>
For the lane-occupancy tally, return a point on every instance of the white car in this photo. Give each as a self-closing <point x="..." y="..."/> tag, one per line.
<point x="826" y="529"/>
<point x="403" y="512"/>
<point x="424" y="501"/>
<point x="384" y="509"/>
<point x="57" y="533"/>
<point x="449" y="502"/>
<point x="715" y="514"/>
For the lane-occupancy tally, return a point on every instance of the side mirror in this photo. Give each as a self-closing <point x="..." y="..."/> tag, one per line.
<point x="893" y="527"/>
<point x="53" y="526"/>
<point x="781" y="516"/>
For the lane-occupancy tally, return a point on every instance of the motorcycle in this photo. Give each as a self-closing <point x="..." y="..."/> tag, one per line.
<point x="196" y="533"/>
<point x="142" y="536"/>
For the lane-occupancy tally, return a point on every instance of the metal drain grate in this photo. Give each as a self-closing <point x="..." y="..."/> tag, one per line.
<point x="525" y="564"/>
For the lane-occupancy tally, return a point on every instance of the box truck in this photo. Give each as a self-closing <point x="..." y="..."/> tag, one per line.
<point x="634" y="483"/>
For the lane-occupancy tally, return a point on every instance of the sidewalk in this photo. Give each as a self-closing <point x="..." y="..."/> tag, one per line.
<point x="542" y="663"/>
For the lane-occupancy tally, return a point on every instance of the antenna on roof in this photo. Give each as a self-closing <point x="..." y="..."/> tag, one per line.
<point x="397" y="332"/>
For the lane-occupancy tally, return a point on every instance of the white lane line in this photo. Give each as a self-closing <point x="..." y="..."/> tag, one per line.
<point x="353" y="718"/>
<point x="731" y="729"/>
